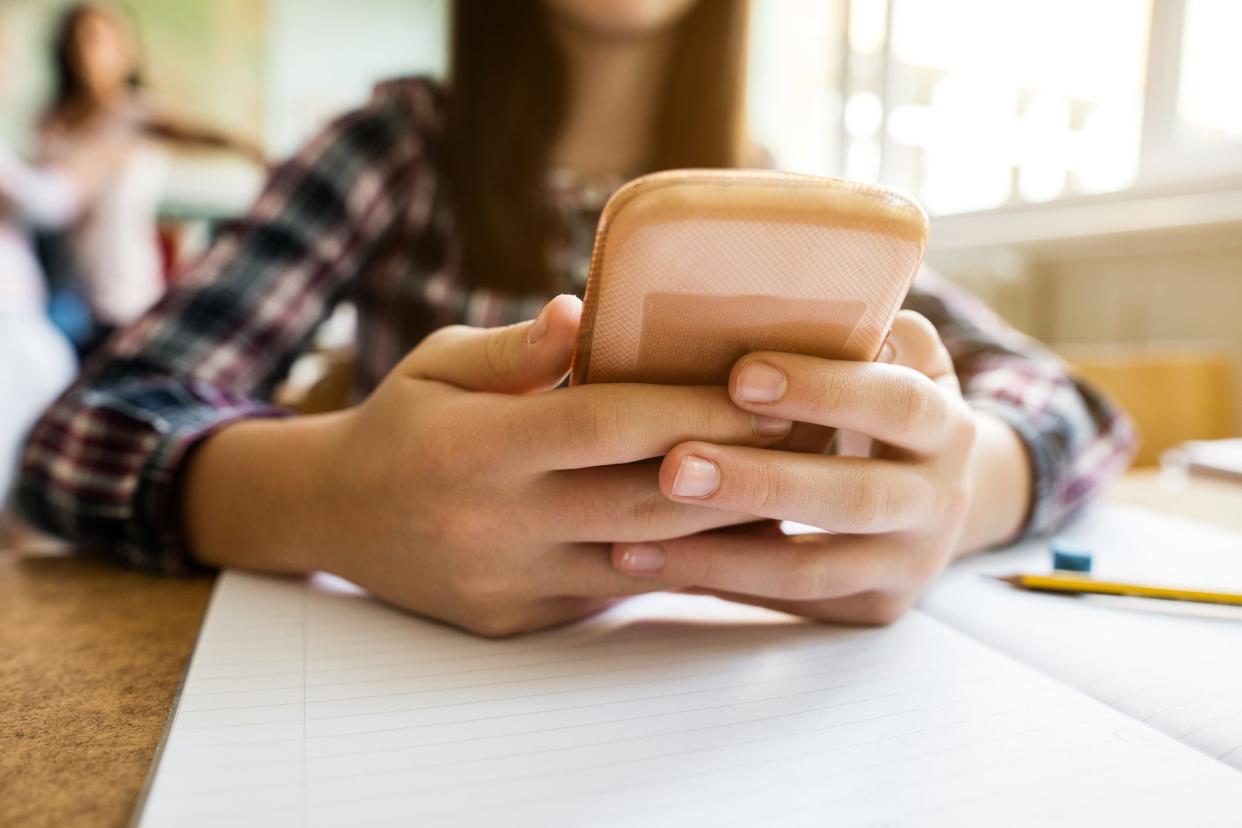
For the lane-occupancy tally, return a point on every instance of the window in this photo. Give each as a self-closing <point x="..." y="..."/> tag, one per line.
<point x="1209" y="102"/>
<point x="977" y="104"/>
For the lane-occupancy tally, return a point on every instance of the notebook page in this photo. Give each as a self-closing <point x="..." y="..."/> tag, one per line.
<point x="317" y="706"/>
<point x="1174" y="665"/>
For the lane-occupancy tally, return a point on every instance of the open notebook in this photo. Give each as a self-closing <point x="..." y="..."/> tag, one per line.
<point x="310" y="704"/>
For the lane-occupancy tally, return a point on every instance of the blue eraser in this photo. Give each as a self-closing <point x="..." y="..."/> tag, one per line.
<point x="1070" y="558"/>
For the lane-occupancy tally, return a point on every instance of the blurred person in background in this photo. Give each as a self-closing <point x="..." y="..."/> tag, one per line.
<point x="99" y="99"/>
<point x="36" y="361"/>
<point x="467" y="485"/>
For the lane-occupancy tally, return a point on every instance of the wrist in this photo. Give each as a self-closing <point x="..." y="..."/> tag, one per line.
<point x="258" y="494"/>
<point x="1000" y="485"/>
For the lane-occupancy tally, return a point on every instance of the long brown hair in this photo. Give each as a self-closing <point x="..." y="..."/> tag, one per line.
<point x="508" y="98"/>
<point x="71" y="96"/>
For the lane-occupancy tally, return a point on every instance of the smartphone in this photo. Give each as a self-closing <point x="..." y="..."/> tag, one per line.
<point x="693" y="269"/>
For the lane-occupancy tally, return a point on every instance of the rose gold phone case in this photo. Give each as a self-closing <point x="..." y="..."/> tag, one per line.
<point x="694" y="268"/>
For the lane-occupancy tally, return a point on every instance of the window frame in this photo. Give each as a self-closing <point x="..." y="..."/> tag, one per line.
<point x="1165" y="162"/>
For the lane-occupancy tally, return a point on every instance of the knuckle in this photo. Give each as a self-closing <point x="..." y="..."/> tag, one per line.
<point x="762" y="489"/>
<point x="484" y="592"/>
<point x="955" y="505"/>
<point x="441" y="336"/>
<point x="703" y="565"/>
<point x="443" y="341"/>
<point x="830" y="389"/>
<point x="647" y="509"/>
<point x="498" y="355"/>
<point x="719" y="418"/>
<point x="442" y="456"/>
<point x="592" y="423"/>
<point x="911" y="405"/>
<point x="924" y="567"/>
<point x="592" y="507"/>
<point x="700" y="414"/>
<point x="881" y="609"/>
<point x="705" y="421"/>
<point x="913" y="494"/>
<point x="806" y="578"/>
<point x="487" y="590"/>
<point x="921" y="326"/>
<point x="496" y="624"/>
<point x="965" y="427"/>
<point x="863" y="500"/>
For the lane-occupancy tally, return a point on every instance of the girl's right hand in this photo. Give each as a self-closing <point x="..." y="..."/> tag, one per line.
<point x="471" y="489"/>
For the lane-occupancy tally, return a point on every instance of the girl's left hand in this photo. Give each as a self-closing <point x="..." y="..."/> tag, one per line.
<point x="894" y="517"/>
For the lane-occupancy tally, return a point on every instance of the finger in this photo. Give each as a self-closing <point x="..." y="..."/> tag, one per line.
<point x="585" y="570"/>
<point x="865" y="609"/>
<point x="517" y="359"/>
<point x="624" y="503"/>
<point x="915" y="343"/>
<point x="812" y="439"/>
<point x="891" y="403"/>
<point x="789" y="567"/>
<point x="839" y="494"/>
<point x="614" y="423"/>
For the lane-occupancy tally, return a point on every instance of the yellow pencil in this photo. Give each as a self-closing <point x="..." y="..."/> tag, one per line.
<point x="1079" y="584"/>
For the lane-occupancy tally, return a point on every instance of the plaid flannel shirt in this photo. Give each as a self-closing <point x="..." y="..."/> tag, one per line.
<point x="359" y="215"/>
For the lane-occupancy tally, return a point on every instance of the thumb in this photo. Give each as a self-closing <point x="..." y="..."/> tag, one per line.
<point x="517" y="359"/>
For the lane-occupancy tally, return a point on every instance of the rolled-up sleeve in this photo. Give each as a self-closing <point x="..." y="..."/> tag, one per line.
<point x="1075" y="438"/>
<point x="101" y="467"/>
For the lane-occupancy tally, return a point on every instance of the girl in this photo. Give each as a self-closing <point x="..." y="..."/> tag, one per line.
<point x="467" y="486"/>
<point x="36" y="361"/>
<point x="99" y="101"/>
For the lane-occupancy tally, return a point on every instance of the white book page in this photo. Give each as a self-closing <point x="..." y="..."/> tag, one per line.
<point x="1174" y="665"/>
<point x="314" y="705"/>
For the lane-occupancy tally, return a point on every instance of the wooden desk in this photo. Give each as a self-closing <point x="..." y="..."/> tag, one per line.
<point x="93" y="654"/>
<point x="1211" y="501"/>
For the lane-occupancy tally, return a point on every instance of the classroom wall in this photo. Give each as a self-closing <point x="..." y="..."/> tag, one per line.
<point x="204" y="60"/>
<point x="24" y="32"/>
<point x="324" y="56"/>
<point x="1183" y="290"/>
<point x="1161" y="290"/>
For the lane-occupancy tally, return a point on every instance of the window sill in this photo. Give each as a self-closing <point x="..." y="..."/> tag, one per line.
<point x="1202" y="206"/>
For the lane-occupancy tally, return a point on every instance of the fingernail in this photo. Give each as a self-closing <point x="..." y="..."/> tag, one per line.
<point x="697" y="477"/>
<point x="539" y="328"/>
<point x="760" y="382"/>
<point x="642" y="557"/>
<point x="887" y="353"/>
<point x="770" y="426"/>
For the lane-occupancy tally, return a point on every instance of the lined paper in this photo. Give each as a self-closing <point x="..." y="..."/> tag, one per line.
<point x="1176" y="666"/>
<point x="314" y="705"/>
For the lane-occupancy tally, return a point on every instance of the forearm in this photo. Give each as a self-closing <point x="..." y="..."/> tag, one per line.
<point x="196" y="137"/>
<point x="1001" y="486"/>
<point x="257" y="495"/>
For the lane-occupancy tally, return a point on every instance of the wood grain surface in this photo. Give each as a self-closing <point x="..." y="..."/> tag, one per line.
<point x="91" y="656"/>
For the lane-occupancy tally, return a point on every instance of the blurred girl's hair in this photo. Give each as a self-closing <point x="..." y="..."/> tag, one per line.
<point x="508" y="95"/>
<point x="71" y="97"/>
